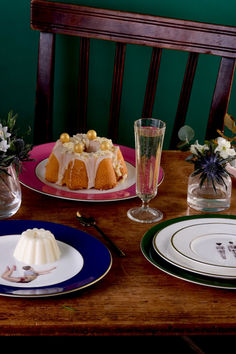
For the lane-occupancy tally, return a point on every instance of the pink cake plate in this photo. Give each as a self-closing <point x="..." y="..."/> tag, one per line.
<point x="32" y="176"/>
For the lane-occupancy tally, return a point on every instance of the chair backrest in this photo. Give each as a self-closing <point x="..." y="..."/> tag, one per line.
<point x="51" y="18"/>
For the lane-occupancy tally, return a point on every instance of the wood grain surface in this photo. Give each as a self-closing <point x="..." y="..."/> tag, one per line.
<point x="134" y="298"/>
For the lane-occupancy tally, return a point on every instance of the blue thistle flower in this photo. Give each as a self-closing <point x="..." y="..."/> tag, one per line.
<point x="211" y="166"/>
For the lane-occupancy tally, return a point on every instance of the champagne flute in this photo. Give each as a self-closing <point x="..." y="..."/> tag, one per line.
<point x="149" y="136"/>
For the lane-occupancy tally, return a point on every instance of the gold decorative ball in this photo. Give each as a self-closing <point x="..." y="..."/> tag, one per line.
<point x="78" y="148"/>
<point x="65" y="138"/>
<point x="91" y="134"/>
<point x="104" y="145"/>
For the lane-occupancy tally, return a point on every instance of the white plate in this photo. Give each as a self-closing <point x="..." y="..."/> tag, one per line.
<point x="70" y="263"/>
<point x="124" y="185"/>
<point x="213" y="243"/>
<point x="162" y="243"/>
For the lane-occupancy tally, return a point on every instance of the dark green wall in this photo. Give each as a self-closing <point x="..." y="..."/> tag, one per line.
<point x="18" y="62"/>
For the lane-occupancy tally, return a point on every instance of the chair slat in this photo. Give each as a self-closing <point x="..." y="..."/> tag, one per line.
<point x="151" y="83"/>
<point x="221" y="97"/>
<point x="184" y="97"/>
<point x="44" y="89"/>
<point x="116" y="91"/>
<point x="83" y="85"/>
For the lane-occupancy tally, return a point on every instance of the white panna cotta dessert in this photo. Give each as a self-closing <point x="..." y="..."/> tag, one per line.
<point x="37" y="246"/>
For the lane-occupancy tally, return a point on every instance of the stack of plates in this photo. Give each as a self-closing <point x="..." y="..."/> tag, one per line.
<point x="199" y="249"/>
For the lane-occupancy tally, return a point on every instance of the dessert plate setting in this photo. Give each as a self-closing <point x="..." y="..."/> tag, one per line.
<point x="209" y="243"/>
<point x="33" y="172"/>
<point x="84" y="261"/>
<point x="199" y="249"/>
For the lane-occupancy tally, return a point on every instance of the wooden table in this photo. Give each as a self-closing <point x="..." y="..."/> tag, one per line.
<point x="134" y="298"/>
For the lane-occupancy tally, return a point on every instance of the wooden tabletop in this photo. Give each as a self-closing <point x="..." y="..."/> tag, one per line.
<point x="134" y="298"/>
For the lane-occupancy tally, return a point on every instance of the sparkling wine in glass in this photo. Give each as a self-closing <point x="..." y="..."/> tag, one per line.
<point x="149" y="136"/>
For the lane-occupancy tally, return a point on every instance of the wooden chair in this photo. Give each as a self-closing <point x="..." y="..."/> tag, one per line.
<point x="51" y="18"/>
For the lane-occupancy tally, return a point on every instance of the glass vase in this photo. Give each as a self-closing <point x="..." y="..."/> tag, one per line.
<point x="10" y="192"/>
<point x="205" y="198"/>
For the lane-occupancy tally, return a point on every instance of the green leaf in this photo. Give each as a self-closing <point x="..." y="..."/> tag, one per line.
<point x="186" y="133"/>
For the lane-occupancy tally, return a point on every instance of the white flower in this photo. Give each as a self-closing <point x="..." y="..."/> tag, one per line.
<point x="4" y="146"/>
<point x="3" y="132"/>
<point x="4" y="135"/>
<point x="194" y="148"/>
<point x="224" y="148"/>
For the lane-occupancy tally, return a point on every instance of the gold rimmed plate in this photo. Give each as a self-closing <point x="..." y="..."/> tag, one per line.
<point x="186" y="275"/>
<point x="162" y="244"/>
<point x="84" y="261"/>
<point x="212" y="243"/>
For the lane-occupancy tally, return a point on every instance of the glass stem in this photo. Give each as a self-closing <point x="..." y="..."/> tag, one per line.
<point x="145" y="204"/>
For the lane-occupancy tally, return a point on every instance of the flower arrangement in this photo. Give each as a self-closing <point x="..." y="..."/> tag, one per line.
<point x="13" y="149"/>
<point x="210" y="159"/>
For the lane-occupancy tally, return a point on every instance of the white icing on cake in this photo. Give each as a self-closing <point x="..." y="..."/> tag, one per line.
<point x="37" y="246"/>
<point x="91" y="156"/>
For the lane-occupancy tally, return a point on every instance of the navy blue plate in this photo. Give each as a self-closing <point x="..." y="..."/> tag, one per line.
<point x="97" y="258"/>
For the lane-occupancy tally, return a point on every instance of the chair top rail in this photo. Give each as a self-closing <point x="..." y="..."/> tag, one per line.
<point x="133" y="28"/>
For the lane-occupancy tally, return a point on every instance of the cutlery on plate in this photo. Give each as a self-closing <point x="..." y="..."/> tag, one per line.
<point x="90" y="221"/>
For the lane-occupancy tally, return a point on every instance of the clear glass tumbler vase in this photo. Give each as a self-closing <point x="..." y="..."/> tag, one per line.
<point x="10" y="192"/>
<point x="205" y="198"/>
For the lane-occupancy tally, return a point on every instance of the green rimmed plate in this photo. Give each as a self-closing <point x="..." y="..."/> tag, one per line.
<point x="150" y="254"/>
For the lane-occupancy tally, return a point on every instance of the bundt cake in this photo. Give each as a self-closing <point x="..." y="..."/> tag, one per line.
<point x="37" y="246"/>
<point x="85" y="161"/>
